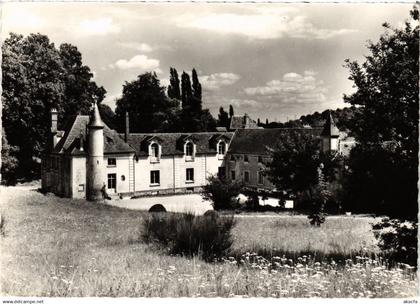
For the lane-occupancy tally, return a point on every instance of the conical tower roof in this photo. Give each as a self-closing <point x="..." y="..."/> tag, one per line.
<point x="95" y="120"/>
<point x="330" y="128"/>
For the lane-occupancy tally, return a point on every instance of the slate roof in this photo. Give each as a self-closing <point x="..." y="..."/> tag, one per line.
<point x="238" y="122"/>
<point x="256" y="141"/>
<point x="173" y="143"/>
<point x="75" y="130"/>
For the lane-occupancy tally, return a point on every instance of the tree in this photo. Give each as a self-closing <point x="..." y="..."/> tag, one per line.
<point x="9" y="160"/>
<point x="108" y="115"/>
<point x="221" y="192"/>
<point x="295" y="166"/>
<point x="186" y="91"/>
<point x="231" y="113"/>
<point x="149" y="108"/>
<point x="386" y="127"/>
<point x="196" y="92"/>
<point x="80" y="91"/>
<point x="37" y="77"/>
<point x="223" y="118"/>
<point x="173" y="88"/>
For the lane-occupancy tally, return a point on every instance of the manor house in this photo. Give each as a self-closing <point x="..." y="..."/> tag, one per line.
<point x="87" y="158"/>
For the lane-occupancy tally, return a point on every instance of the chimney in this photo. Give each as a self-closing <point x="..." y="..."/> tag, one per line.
<point x="127" y="126"/>
<point x="54" y="120"/>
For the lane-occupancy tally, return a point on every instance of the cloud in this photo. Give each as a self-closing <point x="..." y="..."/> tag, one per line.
<point x="215" y="81"/>
<point x="142" y="47"/>
<point x="262" y="24"/>
<point x="101" y="26"/>
<point x="21" y="20"/>
<point x="293" y="88"/>
<point x="140" y="62"/>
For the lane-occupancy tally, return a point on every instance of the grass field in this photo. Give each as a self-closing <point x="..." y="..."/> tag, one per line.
<point x="60" y="247"/>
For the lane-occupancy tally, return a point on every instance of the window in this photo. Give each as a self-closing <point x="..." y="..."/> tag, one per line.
<point x="81" y="188"/>
<point x="221" y="172"/>
<point x="190" y="175"/>
<point x="233" y="175"/>
<point x="112" y="162"/>
<point x="260" y="160"/>
<point x="246" y="158"/>
<point x="260" y="177"/>
<point x="123" y="177"/>
<point x="189" y="149"/>
<point x="154" y="150"/>
<point x="246" y="176"/>
<point x="222" y="148"/>
<point x="155" y="177"/>
<point x="112" y="181"/>
<point x="232" y="157"/>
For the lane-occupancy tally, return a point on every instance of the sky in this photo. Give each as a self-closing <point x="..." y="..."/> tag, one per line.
<point x="274" y="61"/>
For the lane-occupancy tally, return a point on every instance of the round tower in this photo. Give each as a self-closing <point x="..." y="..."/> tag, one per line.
<point x="95" y="165"/>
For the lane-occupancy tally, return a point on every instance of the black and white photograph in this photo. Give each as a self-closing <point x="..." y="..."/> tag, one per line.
<point x="209" y="150"/>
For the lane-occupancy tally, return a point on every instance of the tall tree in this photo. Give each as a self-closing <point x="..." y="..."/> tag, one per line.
<point x="186" y="90"/>
<point x="36" y="78"/>
<point x="295" y="165"/>
<point x="386" y="127"/>
<point x="231" y="112"/>
<point x="80" y="91"/>
<point x="196" y="86"/>
<point x="173" y="88"/>
<point x="145" y="101"/>
<point x="223" y="118"/>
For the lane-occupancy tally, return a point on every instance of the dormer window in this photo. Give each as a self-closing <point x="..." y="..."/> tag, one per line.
<point x="189" y="151"/>
<point x="154" y="153"/>
<point x="221" y="149"/>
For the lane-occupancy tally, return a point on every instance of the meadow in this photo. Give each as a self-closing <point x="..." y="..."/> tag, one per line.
<point x="61" y="247"/>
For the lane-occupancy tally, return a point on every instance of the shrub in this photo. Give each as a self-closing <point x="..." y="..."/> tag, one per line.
<point x="397" y="239"/>
<point x="221" y="192"/>
<point x="187" y="234"/>
<point x="157" y="208"/>
<point x="253" y="202"/>
<point x="211" y="213"/>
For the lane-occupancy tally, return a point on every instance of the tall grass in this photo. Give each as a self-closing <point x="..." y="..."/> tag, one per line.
<point x="60" y="247"/>
<point x="207" y="236"/>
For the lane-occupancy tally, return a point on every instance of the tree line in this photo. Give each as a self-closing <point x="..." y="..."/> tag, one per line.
<point x="38" y="76"/>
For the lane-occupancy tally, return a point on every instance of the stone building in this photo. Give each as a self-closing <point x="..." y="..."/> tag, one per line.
<point x="249" y="152"/>
<point x="88" y="158"/>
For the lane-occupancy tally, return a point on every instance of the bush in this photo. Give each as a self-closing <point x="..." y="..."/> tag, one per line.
<point x="187" y="234"/>
<point x="397" y="239"/>
<point x="253" y="202"/>
<point x="222" y="193"/>
<point x="157" y="208"/>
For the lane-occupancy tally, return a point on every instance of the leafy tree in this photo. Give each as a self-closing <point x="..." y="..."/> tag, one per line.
<point x="386" y="127"/>
<point x="108" y="115"/>
<point x="186" y="91"/>
<point x="32" y="84"/>
<point x="224" y="120"/>
<point x="145" y="100"/>
<point x="9" y="161"/>
<point x="221" y="192"/>
<point x="207" y="122"/>
<point x="196" y="92"/>
<point x="295" y="166"/>
<point x="173" y="88"/>
<point x="231" y="112"/>
<point x="80" y="91"/>
<point x="37" y="77"/>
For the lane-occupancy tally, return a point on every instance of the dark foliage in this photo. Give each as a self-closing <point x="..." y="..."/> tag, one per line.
<point x="157" y="208"/>
<point x="398" y="240"/>
<point x="173" y="89"/>
<point x="383" y="167"/>
<point x="186" y="234"/>
<point x="223" y="120"/>
<point x="37" y="77"/>
<point x="221" y="192"/>
<point x="149" y="108"/>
